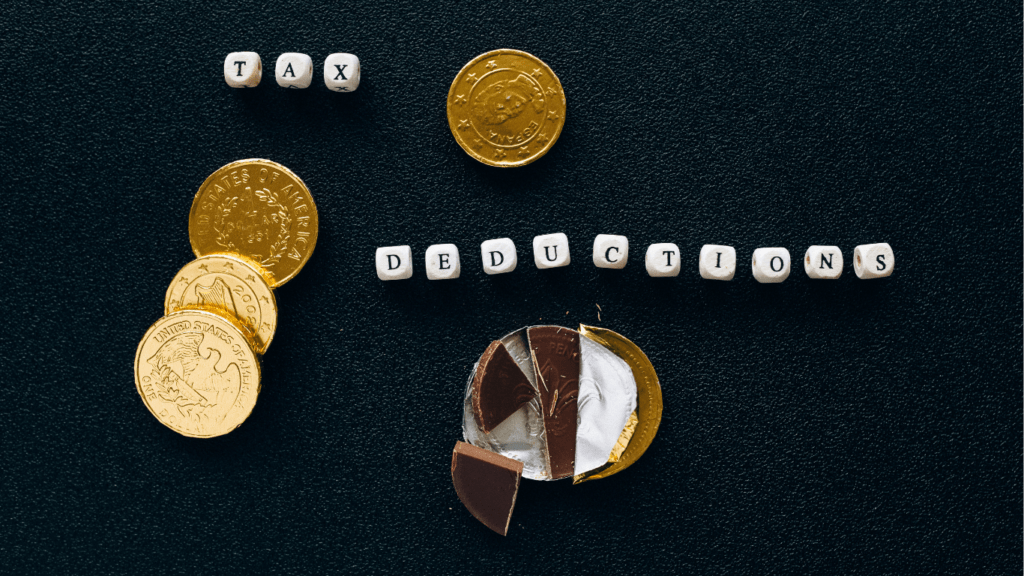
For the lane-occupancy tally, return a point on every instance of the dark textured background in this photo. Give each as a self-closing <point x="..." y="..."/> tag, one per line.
<point x="844" y="427"/>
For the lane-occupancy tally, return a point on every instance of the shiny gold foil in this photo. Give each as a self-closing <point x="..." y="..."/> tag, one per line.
<point x="506" y="108"/>
<point x="230" y="285"/>
<point x="260" y="210"/>
<point x="624" y="438"/>
<point x="197" y="373"/>
<point x="649" y="404"/>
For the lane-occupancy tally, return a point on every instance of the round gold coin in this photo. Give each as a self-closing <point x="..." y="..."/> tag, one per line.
<point x="259" y="209"/>
<point x="231" y="285"/>
<point x="506" y="108"/>
<point x="197" y="374"/>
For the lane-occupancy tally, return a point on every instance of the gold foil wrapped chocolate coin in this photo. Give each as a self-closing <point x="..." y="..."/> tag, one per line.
<point x="197" y="373"/>
<point x="228" y="285"/>
<point x="260" y="210"/>
<point x="506" y="108"/>
<point x="563" y="402"/>
<point x="550" y="402"/>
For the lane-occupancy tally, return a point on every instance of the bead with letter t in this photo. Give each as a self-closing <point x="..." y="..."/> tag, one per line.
<point x="243" y="69"/>
<point x="341" y="72"/>
<point x="662" y="260"/>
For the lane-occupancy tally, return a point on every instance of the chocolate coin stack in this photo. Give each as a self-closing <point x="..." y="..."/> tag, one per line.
<point x="253" y="226"/>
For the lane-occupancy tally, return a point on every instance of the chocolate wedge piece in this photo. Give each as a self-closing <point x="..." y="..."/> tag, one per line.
<point x="499" y="387"/>
<point x="487" y="484"/>
<point x="557" y="361"/>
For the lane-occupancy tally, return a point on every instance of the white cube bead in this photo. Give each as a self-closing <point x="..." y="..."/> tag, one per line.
<point x="770" y="265"/>
<point x="662" y="260"/>
<point x="443" y="262"/>
<point x="341" y="72"/>
<point x="498" y="255"/>
<point x="243" y="69"/>
<point x="717" y="262"/>
<point x="873" y="261"/>
<point x="394" y="262"/>
<point x="823" y="262"/>
<point x="551" y="250"/>
<point x="294" y="70"/>
<point x="611" y="251"/>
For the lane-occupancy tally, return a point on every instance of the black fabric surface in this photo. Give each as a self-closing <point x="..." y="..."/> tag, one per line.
<point x="812" y="427"/>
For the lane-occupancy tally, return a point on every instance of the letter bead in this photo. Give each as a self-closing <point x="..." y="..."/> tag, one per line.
<point x="611" y="251"/>
<point x="662" y="260"/>
<point x="770" y="265"/>
<point x="294" y="70"/>
<point x="823" y="262"/>
<point x="498" y="255"/>
<point x="443" y="262"/>
<point x="243" y="69"/>
<point x="717" y="262"/>
<point x="873" y="261"/>
<point x="394" y="263"/>
<point x="341" y="72"/>
<point x="551" y="250"/>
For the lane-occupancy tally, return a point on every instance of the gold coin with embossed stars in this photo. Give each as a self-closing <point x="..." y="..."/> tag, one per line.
<point x="228" y="285"/>
<point x="258" y="209"/>
<point x="197" y="373"/>
<point x="506" y="108"/>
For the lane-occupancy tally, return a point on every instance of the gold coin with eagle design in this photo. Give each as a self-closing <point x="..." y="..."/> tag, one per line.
<point x="197" y="373"/>
<point x="228" y="285"/>
<point x="258" y="209"/>
<point x="506" y="108"/>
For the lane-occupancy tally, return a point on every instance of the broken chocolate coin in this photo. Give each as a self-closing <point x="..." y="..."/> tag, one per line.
<point x="487" y="484"/>
<point x="500" y="387"/>
<point x="556" y="355"/>
<point x="595" y="387"/>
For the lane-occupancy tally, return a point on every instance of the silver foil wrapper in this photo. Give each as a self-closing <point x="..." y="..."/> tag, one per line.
<point x="607" y="398"/>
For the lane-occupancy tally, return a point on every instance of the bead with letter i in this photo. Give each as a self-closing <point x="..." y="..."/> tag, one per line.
<point x="717" y="262"/>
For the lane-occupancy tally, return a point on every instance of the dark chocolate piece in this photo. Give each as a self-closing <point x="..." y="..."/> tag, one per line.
<point x="499" y="387"/>
<point x="487" y="484"/>
<point x="557" y="352"/>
